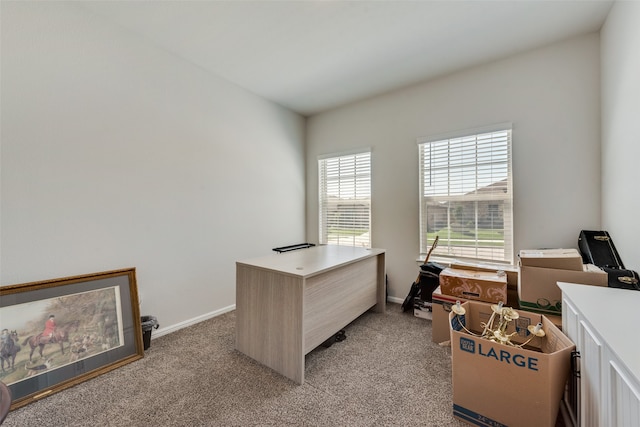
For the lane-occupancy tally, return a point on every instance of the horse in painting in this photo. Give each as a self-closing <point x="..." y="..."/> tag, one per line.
<point x="9" y="350"/>
<point x="60" y="336"/>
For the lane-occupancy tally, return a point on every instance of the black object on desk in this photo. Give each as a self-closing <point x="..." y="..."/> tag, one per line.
<point x="293" y="247"/>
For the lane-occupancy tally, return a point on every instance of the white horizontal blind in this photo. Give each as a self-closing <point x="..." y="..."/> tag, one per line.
<point x="345" y="199"/>
<point x="466" y="196"/>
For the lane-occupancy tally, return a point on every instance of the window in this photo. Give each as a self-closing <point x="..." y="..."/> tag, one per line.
<point x="345" y="199"/>
<point x="466" y="195"/>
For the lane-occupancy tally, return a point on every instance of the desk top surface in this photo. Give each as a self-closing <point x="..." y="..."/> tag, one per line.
<point x="614" y="314"/>
<point x="311" y="261"/>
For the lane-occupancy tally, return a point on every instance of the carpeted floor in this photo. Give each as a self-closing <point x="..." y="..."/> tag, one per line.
<point x="386" y="373"/>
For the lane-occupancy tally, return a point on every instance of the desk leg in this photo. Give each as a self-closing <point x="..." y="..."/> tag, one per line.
<point x="269" y="320"/>
<point x="381" y="298"/>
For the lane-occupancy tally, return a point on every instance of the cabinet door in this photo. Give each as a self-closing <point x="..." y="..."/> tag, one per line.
<point x="570" y="320"/>
<point x="591" y="409"/>
<point x="624" y="399"/>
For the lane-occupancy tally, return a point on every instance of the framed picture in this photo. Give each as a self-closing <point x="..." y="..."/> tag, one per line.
<point x="58" y="333"/>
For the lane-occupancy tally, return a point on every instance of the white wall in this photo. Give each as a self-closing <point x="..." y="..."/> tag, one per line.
<point x="116" y="154"/>
<point x="551" y="95"/>
<point x="620" y="45"/>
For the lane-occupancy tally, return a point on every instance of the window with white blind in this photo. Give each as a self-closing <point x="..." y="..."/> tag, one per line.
<point x="345" y="199"/>
<point x="466" y="195"/>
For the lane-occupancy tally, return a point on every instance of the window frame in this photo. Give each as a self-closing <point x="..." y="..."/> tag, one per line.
<point x="365" y="175"/>
<point x="445" y="248"/>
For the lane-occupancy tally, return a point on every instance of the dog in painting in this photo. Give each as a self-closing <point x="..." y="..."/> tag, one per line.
<point x="37" y="369"/>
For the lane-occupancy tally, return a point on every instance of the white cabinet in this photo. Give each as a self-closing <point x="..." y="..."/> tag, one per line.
<point x="624" y="398"/>
<point x="602" y="322"/>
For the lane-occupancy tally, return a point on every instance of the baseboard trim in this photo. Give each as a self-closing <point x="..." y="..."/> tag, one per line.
<point x="173" y="328"/>
<point x="395" y="299"/>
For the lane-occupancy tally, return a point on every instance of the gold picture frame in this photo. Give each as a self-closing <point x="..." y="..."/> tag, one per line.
<point x="58" y="333"/>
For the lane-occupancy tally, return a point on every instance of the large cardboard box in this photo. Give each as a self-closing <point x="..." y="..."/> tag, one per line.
<point x="487" y="286"/>
<point x="564" y="259"/>
<point x="499" y="385"/>
<point x="538" y="287"/>
<point x="441" y="307"/>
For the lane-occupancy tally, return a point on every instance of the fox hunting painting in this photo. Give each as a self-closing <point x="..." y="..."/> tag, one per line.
<point x="57" y="333"/>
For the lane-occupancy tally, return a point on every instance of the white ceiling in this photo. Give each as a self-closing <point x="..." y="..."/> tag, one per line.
<point x="311" y="56"/>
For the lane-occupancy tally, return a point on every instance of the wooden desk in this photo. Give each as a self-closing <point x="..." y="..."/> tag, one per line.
<point x="287" y="304"/>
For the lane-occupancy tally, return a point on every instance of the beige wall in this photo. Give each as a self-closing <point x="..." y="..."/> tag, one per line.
<point x="116" y="154"/>
<point x="552" y="97"/>
<point x="620" y="45"/>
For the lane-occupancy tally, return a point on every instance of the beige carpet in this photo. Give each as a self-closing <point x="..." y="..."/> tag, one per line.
<point x="386" y="373"/>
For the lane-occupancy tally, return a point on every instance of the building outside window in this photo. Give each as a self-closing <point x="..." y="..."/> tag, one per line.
<point x="466" y="194"/>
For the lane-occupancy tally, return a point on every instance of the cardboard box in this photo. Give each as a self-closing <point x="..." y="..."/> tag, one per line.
<point x="422" y="308"/>
<point x="555" y="319"/>
<point x="563" y="259"/>
<point x="441" y="307"/>
<point x="538" y="289"/>
<point x="499" y="385"/>
<point x="423" y="314"/>
<point x="511" y="270"/>
<point x="487" y="286"/>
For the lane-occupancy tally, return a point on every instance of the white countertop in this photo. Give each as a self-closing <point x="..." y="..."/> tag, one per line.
<point x="614" y="314"/>
<point x="310" y="261"/>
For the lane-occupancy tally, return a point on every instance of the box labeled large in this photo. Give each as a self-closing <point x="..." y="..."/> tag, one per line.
<point x="564" y="259"/>
<point x="500" y="385"/>
<point x="538" y="287"/>
<point x="487" y="286"/>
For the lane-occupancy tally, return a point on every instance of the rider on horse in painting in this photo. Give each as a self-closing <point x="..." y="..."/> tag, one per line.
<point x="49" y="328"/>
<point x="8" y="348"/>
<point x="5" y="338"/>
